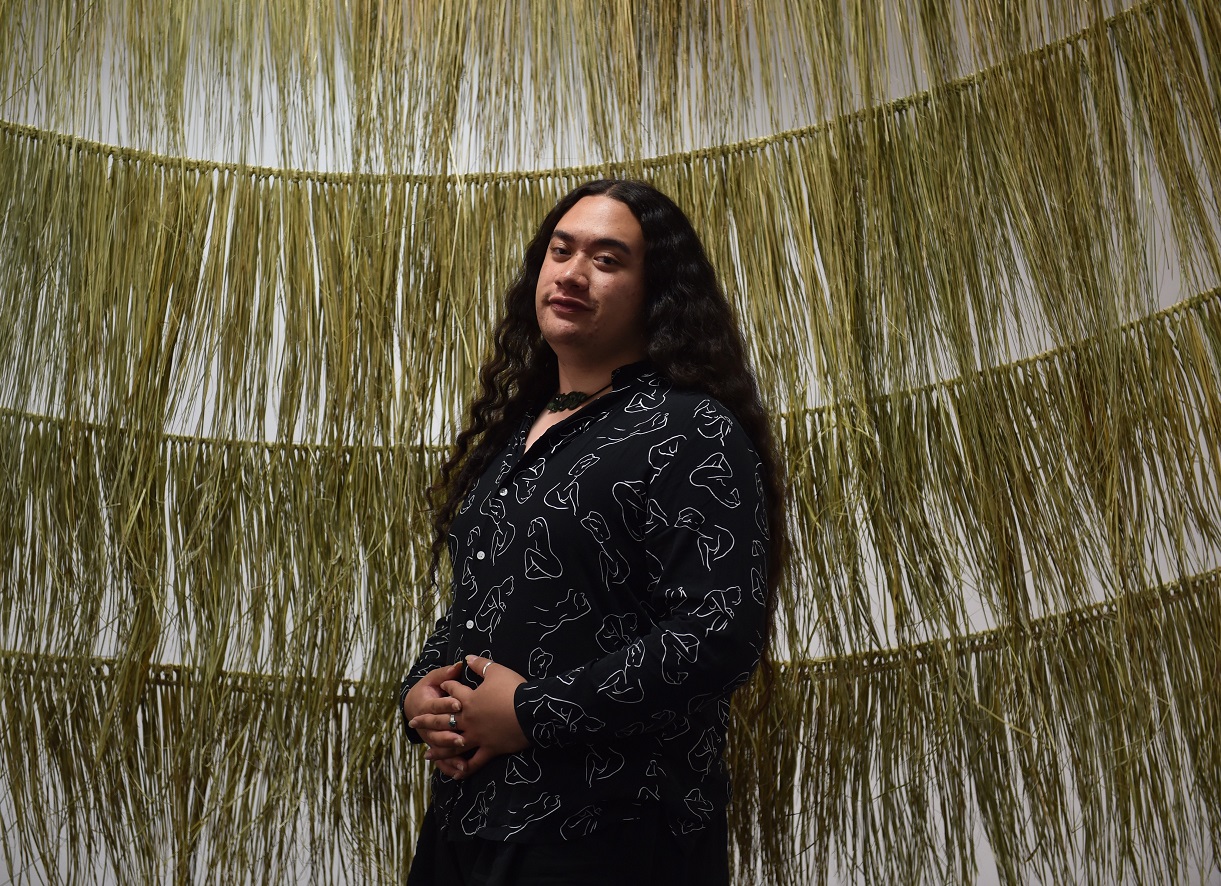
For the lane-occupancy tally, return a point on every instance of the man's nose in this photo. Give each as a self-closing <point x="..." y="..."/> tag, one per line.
<point x="575" y="273"/>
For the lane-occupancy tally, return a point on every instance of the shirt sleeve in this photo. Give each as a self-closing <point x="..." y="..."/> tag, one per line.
<point x="706" y="544"/>
<point x="431" y="657"/>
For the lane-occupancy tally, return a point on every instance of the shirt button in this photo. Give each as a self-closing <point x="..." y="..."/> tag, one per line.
<point x="470" y="624"/>
<point x="503" y="493"/>
<point x="479" y="555"/>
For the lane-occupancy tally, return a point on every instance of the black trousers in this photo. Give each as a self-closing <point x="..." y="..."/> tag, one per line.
<point x="639" y="853"/>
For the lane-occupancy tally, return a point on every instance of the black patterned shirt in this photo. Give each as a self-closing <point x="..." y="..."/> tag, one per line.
<point x="619" y="565"/>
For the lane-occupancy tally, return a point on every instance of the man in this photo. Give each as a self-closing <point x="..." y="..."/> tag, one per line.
<point x="613" y="511"/>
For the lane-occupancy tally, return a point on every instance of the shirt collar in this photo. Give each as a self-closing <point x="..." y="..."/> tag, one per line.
<point x="623" y="378"/>
<point x="625" y="375"/>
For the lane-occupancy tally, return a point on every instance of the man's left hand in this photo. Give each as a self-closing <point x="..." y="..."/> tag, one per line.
<point x="487" y="719"/>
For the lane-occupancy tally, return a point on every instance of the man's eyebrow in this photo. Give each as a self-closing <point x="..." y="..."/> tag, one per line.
<point x="601" y="242"/>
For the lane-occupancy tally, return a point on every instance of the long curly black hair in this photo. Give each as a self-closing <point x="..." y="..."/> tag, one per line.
<point x="693" y="341"/>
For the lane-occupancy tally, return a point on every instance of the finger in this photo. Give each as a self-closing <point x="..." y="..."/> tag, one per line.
<point x="449" y="672"/>
<point x="445" y="746"/>
<point x="477" y="761"/>
<point x="455" y="768"/>
<point x="443" y="704"/>
<point x="446" y="672"/>
<point x="439" y="752"/>
<point x="478" y="665"/>
<point x="446" y="724"/>
<point x="456" y="690"/>
<point x="436" y="731"/>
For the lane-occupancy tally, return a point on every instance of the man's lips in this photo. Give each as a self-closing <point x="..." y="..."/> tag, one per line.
<point x="567" y="304"/>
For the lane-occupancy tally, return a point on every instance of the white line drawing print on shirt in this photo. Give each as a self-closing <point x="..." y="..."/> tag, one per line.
<point x="541" y="561"/>
<point x="566" y="496"/>
<point x="713" y="544"/>
<point x="494" y="606"/>
<point x="714" y="474"/>
<point x="713" y="424"/>
<point x="574" y="605"/>
<point x="614" y="566"/>
<point x="523" y="768"/>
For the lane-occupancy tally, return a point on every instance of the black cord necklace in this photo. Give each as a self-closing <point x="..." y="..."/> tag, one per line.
<point x="573" y="399"/>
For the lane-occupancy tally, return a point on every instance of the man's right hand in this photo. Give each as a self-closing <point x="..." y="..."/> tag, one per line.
<point x="428" y="708"/>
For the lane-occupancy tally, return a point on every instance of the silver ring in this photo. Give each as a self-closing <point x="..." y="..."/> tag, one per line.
<point x="453" y="721"/>
<point x="484" y="672"/>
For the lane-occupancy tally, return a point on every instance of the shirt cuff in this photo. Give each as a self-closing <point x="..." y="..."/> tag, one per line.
<point x="412" y="735"/>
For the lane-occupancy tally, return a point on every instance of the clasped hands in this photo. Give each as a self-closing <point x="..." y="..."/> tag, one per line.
<point x="484" y="722"/>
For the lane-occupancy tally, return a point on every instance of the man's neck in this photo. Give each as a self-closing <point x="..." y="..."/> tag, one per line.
<point x="590" y="376"/>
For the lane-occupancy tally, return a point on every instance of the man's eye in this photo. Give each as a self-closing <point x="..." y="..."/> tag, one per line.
<point x="607" y="260"/>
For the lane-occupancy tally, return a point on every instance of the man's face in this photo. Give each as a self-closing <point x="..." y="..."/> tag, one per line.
<point x="590" y="295"/>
